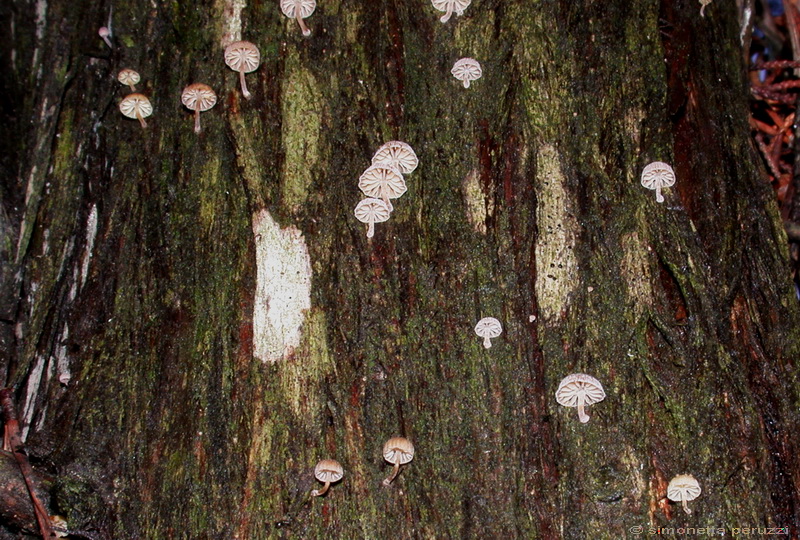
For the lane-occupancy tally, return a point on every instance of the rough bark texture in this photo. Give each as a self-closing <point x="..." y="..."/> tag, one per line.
<point x="131" y="261"/>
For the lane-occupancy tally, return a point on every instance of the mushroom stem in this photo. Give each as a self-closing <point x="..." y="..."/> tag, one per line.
<point x="245" y="93"/>
<point x="582" y="416"/>
<point x="320" y="492"/>
<point x="396" y="469"/>
<point x="487" y="342"/>
<point x="659" y="196"/>
<point x="371" y="229"/>
<point x="466" y="83"/>
<point x="141" y="120"/>
<point x="446" y="16"/>
<point x="104" y="32"/>
<point x="133" y="88"/>
<point x="686" y="507"/>
<point x="303" y="27"/>
<point x="197" y="118"/>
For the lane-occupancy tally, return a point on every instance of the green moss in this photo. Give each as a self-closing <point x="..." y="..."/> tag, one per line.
<point x="300" y="132"/>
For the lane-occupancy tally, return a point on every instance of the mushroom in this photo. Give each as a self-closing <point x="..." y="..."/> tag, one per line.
<point x="129" y="78"/>
<point x="198" y="97"/>
<point x="488" y="328"/>
<point x="397" y="154"/>
<point x="683" y="488"/>
<point x="382" y="181"/>
<point x="466" y="70"/>
<point x="244" y="57"/>
<point x="299" y="9"/>
<point x="372" y="211"/>
<point x="104" y="32"/>
<point x="136" y="106"/>
<point x="327" y="471"/>
<point x="579" y="390"/>
<point x="449" y="6"/>
<point x="398" y="451"/>
<point x="658" y="175"/>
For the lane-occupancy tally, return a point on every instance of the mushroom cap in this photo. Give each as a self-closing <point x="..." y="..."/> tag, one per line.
<point x="572" y="386"/>
<point x="371" y="210"/>
<point x="657" y="175"/>
<point x="198" y="96"/>
<point x="382" y="180"/>
<point x="397" y="154"/>
<point x="328" y="470"/>
<point x="398" y="447"/>
<point x="242" y="56"/>
<point x="488" y="327"/>
<point x="133" y="103"/>
<point x="467" y="69"/>
<point x="457" y="5"/>
<point x="683" y="487"/>
<point x="306" y="7"/>
<point x="128" y="77"/>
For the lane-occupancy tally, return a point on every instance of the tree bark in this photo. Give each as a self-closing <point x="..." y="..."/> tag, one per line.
<point x="191" y="321"/>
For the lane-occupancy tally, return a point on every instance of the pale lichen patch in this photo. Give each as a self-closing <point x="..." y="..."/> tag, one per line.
<point x="302" y="120"/>
<point x="283" y="288"/>
<point x="230" y="20"/>
<point x="91" y="233"/>
<point x="31" y="391"/>
<point x="635" y="271"/>
<point x="556" y="264"/>
<point x="474" y="201"/>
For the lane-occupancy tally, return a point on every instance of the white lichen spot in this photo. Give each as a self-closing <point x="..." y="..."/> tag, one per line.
<point x="34" y="382"/>
<point x="230" y="20"/>
<point x="474" y="201"/>
<point x="300" y="131"/>
<point x="556" y="264"/>
<point x="283" y="288"/>
<point x="91" y="232"/>
<point x="62" y="361"/>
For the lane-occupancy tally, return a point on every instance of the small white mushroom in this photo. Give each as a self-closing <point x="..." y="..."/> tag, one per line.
<point x="327" y="471"/>
<point x="397" y="154"/>
<point x="244" y="57"/>
<point x="105" y="33"/>
<point x="128" y="77"/>
<point x="198" y="97"/>
<point x="488" y="328"/>
<point x="658" y="175"/>
<point x="299" y="10"/>
<point x="398" y="451"/>
<point x="466" y="70"/>
<point x="382" y="181"/>
<point x="579" y="390"/>
<point x="372" y="211"/>
<point x="683" y="488"/>
<point x="136" y="106"/>
<point x="449" y="6"/>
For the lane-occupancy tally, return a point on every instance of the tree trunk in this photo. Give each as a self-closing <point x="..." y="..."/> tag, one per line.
<point x="191" y="321"/>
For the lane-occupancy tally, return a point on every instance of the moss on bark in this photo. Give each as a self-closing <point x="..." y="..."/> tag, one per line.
<point x="682" y="309"/>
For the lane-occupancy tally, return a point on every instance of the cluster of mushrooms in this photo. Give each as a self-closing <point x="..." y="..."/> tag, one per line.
<point x="397" y="451"/>
<point x="244" y="57"/>
<point x="241" y="56"/>
<point x="383" y="181"/>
